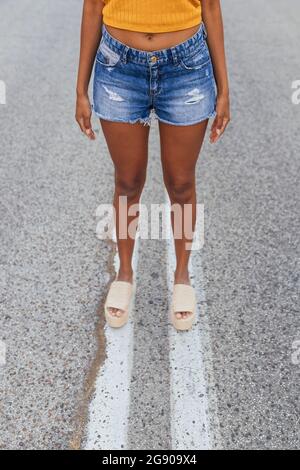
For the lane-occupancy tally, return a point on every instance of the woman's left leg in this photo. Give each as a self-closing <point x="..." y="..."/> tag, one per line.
<point x="180" y="148"/>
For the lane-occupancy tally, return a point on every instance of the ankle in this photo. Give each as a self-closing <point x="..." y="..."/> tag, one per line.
<point x="125" y="275"/>
<point x="181" y="277"/>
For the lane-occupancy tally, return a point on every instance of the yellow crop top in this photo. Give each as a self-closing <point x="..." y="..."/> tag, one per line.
<point x="154" y="16"/>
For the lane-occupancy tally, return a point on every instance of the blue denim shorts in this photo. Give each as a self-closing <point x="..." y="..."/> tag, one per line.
<point x="174" y="85"/>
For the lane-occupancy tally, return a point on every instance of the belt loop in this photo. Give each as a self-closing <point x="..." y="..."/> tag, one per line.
<point x="124" y="54"/>
<point x="174" y="56"/>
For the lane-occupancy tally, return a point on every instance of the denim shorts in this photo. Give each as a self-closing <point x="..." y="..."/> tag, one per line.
<point x="174" y="85"/>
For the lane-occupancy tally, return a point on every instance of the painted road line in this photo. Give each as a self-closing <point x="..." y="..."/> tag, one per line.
<point x="190" y="422"/>
<point x="107" y="428"/>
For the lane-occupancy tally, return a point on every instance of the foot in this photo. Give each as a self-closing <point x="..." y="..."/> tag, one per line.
<point x="182" y="278"/>
<point x="126" y="276"/>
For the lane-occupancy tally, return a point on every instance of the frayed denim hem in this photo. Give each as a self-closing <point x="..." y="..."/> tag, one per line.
<point x="145" y="121"/>
<point x="198" y="121"/>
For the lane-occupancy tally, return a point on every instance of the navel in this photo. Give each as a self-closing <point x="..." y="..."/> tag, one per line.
<point x="149" y="36"/>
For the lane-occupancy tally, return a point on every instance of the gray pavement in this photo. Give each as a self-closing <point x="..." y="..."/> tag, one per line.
<point x="55" y="273"/>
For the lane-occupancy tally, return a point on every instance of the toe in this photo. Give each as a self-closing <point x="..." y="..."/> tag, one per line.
<point x="114" y="311"/>
<point x="182" y="315"/>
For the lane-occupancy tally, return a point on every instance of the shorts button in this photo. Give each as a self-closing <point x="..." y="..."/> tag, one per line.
<point x="153" y="59"/>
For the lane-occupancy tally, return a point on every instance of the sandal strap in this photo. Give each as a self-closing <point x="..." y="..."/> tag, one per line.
<point x="119" y="295"/>
<point x="184" y="298"/>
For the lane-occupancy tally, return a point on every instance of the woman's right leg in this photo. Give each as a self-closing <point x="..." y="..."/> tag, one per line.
<point x="128" y="147"/>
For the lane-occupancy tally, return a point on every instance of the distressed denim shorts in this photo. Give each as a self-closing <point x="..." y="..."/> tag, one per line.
<point x="175" y="85"/>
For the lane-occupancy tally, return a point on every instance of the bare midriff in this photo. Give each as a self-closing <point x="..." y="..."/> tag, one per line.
<point x="151" y="41"/>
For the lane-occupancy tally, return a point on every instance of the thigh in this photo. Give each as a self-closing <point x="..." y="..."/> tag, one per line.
<point x="180" y="148"/>
<point x="128" y="146"/>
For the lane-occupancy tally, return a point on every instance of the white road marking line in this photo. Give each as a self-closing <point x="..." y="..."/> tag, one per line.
<point x="190" y="425"/>
<point x="109" y="409"/>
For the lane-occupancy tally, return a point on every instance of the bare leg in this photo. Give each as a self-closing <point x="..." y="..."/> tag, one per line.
<point x="128" y="147"/>
<point x="180" y="148"/>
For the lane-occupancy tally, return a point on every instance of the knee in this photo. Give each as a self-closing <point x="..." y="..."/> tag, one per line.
<point x="181" y="191"/>
<point x="131" y="187"/>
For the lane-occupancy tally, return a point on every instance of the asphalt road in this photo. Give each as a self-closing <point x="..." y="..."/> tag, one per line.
<point x="67" y="381"/>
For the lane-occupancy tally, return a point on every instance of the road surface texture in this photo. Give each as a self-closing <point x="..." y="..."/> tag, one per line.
<point x="68" y="382"/>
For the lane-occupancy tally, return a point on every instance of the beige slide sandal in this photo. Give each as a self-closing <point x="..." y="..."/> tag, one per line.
<point x="184" y="300"/>
<point x="119" y="296"/>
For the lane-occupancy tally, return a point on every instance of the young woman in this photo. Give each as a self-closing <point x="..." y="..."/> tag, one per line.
<point x="155" y="56"/>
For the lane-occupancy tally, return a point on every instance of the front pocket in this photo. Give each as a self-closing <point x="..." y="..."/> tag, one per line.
<point x="106" y="56"/>
<point x="197" y="60"/>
